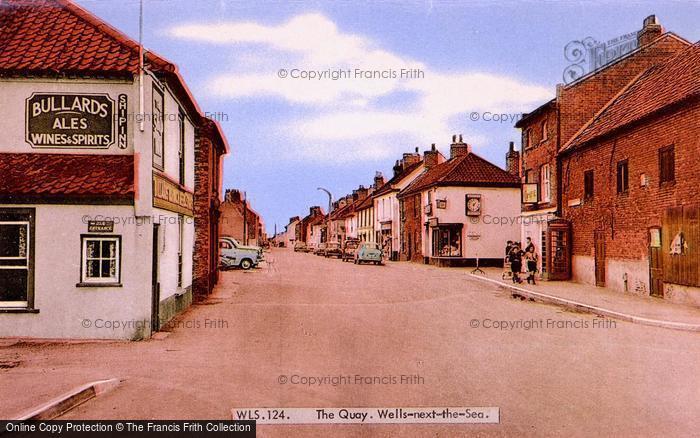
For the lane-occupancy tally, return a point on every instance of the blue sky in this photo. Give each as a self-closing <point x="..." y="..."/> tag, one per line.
<point x="291" y="135"/>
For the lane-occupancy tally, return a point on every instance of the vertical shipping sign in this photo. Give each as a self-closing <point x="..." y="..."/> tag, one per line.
<point x="123" y="111"/>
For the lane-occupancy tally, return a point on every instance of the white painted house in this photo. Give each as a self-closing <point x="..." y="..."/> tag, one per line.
<point x="96" y="193"/>
<point x="460" y="210"/>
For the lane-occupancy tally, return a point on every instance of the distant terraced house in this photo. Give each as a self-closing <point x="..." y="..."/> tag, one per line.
<point x="97" y="205"/>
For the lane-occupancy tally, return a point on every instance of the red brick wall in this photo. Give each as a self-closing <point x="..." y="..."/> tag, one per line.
<point x="207" y="177"/>
<point x="539" y="152"/>
<point x="625" y="218"/>
<point x="580" y="101"/>
<point x="413" y="226"/>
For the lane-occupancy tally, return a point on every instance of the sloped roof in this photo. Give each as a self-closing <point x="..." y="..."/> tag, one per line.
<point x="61" y="37"/>
<point x="655" y="89"/>
<point x="61" y="176"/>
<point x="365" y="203"/>
<point x="467" y="170"/>
<point x="389" y="185"/>
<point x="58" y="37"/>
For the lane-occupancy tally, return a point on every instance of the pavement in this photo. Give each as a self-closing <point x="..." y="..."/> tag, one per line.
<point x="602" y="301"/>
<point x="551" y="372"/>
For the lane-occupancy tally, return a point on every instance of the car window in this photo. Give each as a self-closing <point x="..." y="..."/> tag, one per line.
<point x="224" y="244"/>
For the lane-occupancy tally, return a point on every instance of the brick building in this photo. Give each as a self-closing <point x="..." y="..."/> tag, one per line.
<point x="303" y="228"/>
<point x="546" y="129"/>
<point x="239" y="220"/>
<point x="210" y="147"/>
<point x="451" y="213"/>
<point x="630" y="179"/>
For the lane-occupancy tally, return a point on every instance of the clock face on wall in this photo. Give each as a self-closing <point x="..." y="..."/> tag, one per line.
<point x="473" y="205"/>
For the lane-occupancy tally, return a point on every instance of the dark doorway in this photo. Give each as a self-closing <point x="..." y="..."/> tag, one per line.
<point x="155" y="283"/>
<point x="599" y="244"/>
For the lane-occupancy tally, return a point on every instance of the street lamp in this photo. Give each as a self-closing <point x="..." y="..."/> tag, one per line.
<point x="330" y="202"/>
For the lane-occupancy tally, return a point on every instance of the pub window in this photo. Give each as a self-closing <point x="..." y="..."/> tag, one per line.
<point x="180" y="245"/>
<point x="667" y="164"/>
<point x="181" y="149"/>
<point x="158" y="123"/>
<point x="588" y="184"/>
<point x="16" y="277"/>
<point x="101" y="259"/>
<point x="447" y="241"/>
<point x="622" y="176"/>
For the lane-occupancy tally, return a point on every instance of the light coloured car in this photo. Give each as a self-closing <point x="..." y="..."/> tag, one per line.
<point x="369" y="252"/>
<point x="233" y="254"/>
<point x="349" y="249"/>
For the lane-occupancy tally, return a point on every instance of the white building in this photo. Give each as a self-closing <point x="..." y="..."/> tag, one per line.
<point x="96" y="198"/>
<point x="459" y="211"/>
<point x="386" y="205"/>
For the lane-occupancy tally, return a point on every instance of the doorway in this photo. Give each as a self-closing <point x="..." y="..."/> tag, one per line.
<point x="155" y="283"/>
<point x="599" y="247"/>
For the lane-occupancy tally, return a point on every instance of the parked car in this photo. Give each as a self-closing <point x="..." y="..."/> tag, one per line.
<point x="311" y="247"/>
<point x="300" y="247"/>
<point x="368" y="252"/>
<point x="233" y="254"/>
<point x="349" y="249"/>
<point x="320" y="249"/>
<point x="333" y="250"/>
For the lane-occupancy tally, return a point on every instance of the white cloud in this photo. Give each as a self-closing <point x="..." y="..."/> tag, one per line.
<point x="340" y="112"/>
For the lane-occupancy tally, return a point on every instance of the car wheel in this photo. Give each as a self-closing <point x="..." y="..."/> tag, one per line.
<point x="246" y="264"/>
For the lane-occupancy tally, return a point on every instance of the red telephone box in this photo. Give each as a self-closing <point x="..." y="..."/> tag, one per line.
<point x="559" y="249"/>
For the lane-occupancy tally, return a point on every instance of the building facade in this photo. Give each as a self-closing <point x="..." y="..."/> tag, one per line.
<point x="239" y="220"/>
<point x="630" y="180"/>
<point x="460" y="212"/>
<point x="210" y="148"/>
<point x="548" y="128"/>
<point x="97" y="193"/>
<point x="386" y="205"/>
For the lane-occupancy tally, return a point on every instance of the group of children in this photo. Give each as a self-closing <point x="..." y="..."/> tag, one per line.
<point x="516" y="256"/>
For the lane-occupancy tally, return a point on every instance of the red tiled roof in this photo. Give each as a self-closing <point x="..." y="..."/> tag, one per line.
<point x="468" y="170"/>
<point x="657" y="88"/>
<point x="389" y="185"/>
<point x="58" y="36"/>
<point x="62" y="176"/>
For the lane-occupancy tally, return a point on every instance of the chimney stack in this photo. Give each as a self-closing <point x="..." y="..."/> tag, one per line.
<point x="362" y="192"/>
<point x="513" y="160"/>
<point x="651" y="30"/>
<point x="378" y="180"/>
<point x="398" y="167"/>
<point x="459" y="148"/>
<point x="430" y="157"/>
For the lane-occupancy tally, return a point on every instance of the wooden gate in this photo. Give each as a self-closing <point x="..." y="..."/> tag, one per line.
<point x="599" y="247"/>
<point x="656" y="272"/>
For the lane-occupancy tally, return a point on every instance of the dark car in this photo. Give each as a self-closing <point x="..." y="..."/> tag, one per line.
<point x="333" y="250"/>
<point x="320" y="249"/>
<point x="300" y="247"/>
<point x="349" y="249"/>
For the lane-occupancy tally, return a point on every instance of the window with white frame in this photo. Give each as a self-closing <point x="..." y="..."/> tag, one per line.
<point x="15" y="262"/>
<point x="545" y="188"/>
<point x="544" y="131"/>
<point x="101" y="259"/>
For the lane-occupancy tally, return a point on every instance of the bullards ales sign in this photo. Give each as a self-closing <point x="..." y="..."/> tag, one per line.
<point x="89" y="121"/>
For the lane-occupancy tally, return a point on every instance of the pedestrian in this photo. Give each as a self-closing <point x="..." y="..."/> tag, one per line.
<point x="509" y="245"/>
<point x="531" y="259"/>
<point x="515" y="259"/>
<point x="530" y="246"/>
